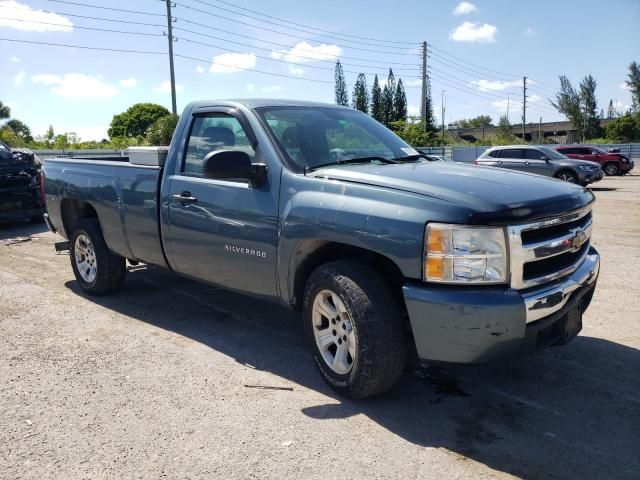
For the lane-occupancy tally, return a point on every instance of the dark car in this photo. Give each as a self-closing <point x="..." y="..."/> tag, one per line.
<point x="612" y="162"/>
<point x="543" y="161"/>
<point x="21" y="194"/>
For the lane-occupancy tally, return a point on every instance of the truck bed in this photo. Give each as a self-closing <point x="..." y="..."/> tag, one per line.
<point x="123" y="195"/>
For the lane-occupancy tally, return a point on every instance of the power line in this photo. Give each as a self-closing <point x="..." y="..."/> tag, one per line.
<point x="84" y="28"/>
<point x="283" y="33"/>
<point x="305" y="65"/>
<point x="283" y="45"/>
<point x="314" y="28"/>
<point x="294" y="28"/>
<point x="89" y="5"/>
<point x="84" y="47"/>
<point x="497" y="72"/>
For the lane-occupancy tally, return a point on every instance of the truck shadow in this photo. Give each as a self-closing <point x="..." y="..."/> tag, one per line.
<point x="571" y="412"/>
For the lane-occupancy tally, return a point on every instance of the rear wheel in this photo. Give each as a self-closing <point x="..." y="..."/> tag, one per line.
<point x="96" y="268"/>
<point x="611" y="169"/>
<point x="355" y="329"/>
<point x="567" y="176"/>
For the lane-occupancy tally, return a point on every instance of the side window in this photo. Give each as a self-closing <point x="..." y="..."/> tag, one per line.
<point x="566" y="151"/>
<point x="216" y="131"/>
<point x="533" y="154"/>
<point x="511" y="153"/>
<point x="585" y="151"/>
<point x="494" y="153"/>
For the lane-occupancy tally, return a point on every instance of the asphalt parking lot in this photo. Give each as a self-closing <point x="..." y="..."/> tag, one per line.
<point x="170" y="378"/>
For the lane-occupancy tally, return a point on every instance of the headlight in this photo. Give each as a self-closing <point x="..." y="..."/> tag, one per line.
<point x="588" y="168"/>
<point x="464" y="254"/>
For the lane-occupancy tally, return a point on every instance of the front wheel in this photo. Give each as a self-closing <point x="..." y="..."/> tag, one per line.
<point x="355" y="329"/>
<point x="96" y="268"/>
<point x="567" y="176"/>
<point x="611" y="169"/>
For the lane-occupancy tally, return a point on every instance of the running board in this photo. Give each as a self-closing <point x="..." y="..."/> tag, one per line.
<point x="61" y="246"/>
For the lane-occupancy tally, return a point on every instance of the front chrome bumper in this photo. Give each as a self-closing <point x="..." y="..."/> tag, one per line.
<point x="545" y="301"/>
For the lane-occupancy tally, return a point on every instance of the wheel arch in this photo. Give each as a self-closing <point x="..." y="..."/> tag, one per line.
<point x="310" y="254"/>
<point x="72" y="210"/>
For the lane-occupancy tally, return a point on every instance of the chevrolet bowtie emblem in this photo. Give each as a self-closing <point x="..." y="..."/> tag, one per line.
<point x="578" y="240"/>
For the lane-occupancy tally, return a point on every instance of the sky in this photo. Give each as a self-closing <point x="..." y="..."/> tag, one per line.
<point x="478" y="53"/>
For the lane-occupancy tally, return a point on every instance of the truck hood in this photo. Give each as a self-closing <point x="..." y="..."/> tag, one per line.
<point x="492" y="195"/>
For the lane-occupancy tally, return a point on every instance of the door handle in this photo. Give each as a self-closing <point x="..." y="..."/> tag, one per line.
<point x="499" y="162"/>
<point x="527" y="163"/>
<point x="185" y="197"/>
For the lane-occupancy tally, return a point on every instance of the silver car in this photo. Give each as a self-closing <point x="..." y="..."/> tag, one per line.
<point x="543" y="161"/>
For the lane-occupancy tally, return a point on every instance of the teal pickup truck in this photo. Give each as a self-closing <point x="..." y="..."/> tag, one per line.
<point x="389" y="257"/>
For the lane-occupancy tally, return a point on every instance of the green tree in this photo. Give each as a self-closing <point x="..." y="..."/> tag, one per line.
<point x="376" y="100"/>
<point x="568" y="103"/>
<point x="611" y="110"/>
<point x="504" y="135"/>
<point x="476" y="122"/>
<point x="8" y="136"/>
<point x="634" y="85"/>
<point x="591" y="123"/>
<point x="430" y="119"/>
<point x="49" y="137"/>
<point x="400" y="103"/>
<point x="161" y="132"/>
<point x="136" y="120"/>
<point x="625" y="128"/>
<point x="387" y="99"/>
<point x="5" y="111"/>
<point x="413" y="134"/>
<point x="20" y="129"/>
<point x="342" y="98"/>
<point x="360" y="97"/>
<point x="61" y="142"/>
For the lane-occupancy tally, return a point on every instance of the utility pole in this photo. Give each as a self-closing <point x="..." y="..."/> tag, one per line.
<point x="508" y="95"/>
<point x="174" y="108"/>
<point x="540" y="132"/>
<point x="443" y="110"/>
<point x="423" y="102"/>
<point x="524" y="106"/>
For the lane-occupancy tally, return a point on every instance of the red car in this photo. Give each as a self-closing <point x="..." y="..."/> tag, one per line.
<point x="612" y="163"/>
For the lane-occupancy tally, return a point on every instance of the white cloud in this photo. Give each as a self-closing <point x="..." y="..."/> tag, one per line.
<point x="23" y="17"/>
<point x="464" y="8"/>
<point x="251" y="87"/>
<point x="128" y="82"/>
<point x="76" y="85"/>
<point x="413" y="111"/>
<point x="15" y="59"/>
<point x="200" y="69"/>
<point x="18" y="80"/>
<point x="495" y="86"/>
<point x="304" y="52"/>
<point x="232" y="62"/>
<point x="295" y="70"/>
<point x="474" y="32"/>
<point x="619" y="106"/>
<point x="514" y="104"/>
<point x="529" y="32"/>
<point x="271" y="88"/>
<point x="624" y="86"/>
<point x="165" y="87"/>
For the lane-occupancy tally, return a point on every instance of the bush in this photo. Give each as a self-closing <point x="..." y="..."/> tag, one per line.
<point x="624" y="129"/>
<point x="161" y="131"/>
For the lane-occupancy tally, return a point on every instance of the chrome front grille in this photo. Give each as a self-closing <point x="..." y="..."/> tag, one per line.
<point x="550" y="249"/>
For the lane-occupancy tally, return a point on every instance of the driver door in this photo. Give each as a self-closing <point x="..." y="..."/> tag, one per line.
<point x="222" y="231"/>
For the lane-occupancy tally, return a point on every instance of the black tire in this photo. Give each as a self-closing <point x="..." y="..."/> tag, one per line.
<point x="567" y="176"/>
<point x="377" y="319"/>
<point x="110" y="268"/>
<point x="611" y="169"/>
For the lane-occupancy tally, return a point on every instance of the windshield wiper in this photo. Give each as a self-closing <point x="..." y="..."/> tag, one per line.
<point x="353" y="160"/>
<point x="410" y="158"/>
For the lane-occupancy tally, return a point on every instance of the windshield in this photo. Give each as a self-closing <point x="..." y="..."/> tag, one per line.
<point x="551" y="153"/>
<point x="313" y="136"/>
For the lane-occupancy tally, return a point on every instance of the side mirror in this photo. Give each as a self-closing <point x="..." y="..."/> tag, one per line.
<point x="228" y="164"/>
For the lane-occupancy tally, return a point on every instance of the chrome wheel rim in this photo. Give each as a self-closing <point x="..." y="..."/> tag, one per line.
<point x="611" y="170"/>
<point x="566" y="177"/>
<point x="85" y="257"/>
<point x="334" y="333"/>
